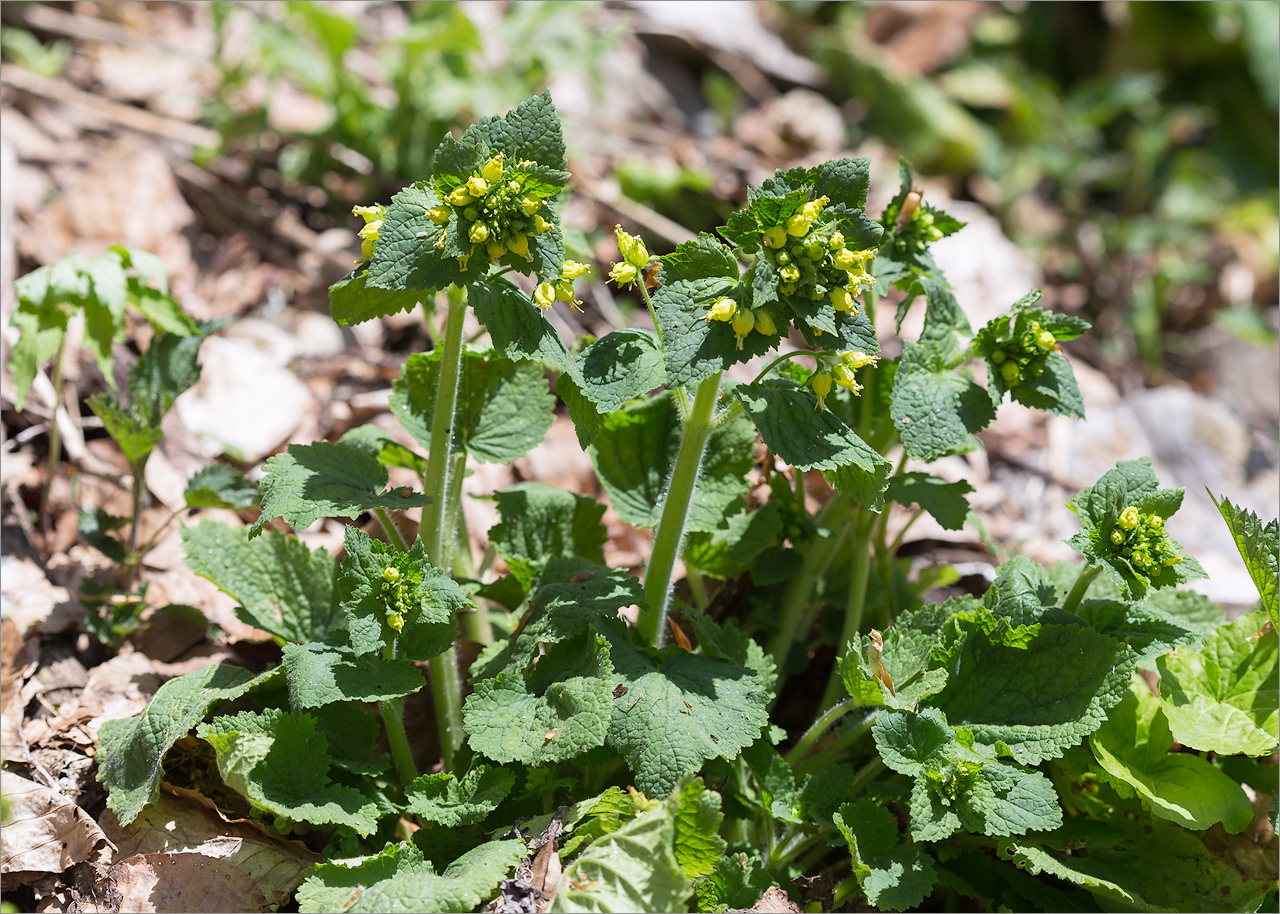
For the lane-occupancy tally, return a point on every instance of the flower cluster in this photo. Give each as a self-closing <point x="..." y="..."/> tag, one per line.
<point x="372" y="216"/>
<point x="744" y="320"/>
<point x="1011" y="357"/>
<point x="812" y="262"/>
<point x="635" y="257"/>
<point x="396" y="594"/>
<point x="842" y="373"/>
<point x="495" y="210"/>
<point x="1142" y="540"/>
<point x="561" y="288"/>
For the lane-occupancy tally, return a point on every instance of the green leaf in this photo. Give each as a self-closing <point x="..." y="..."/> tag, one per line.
<point x="894" y="875"/>
<point x="105" y="306"/>
<point x="944" y="500"/>
<point x="444" y="800"/>
<point x="281" y="585"/>
<point x="622" y="366"/>
<point x="400" y="881"/>
<point x="1260" y="548"/>
<point x="381" y="588"/>
<point x="936" y="409"/>
<point x="544" y="709"/>
<point x="541" y="522"/>
<point x="39" y="339"/>
<point x="738" y="882"/>
<point x="320" y="674"/>
<point x="96" y="527"/>
<point x="824" y="792"/>
<point x="162" y="310"/>
<point x="1152" y="867"/>
<point x="405" y="257"/>
<point x="955" y="786"/>
<point x="1133" y="746"/>
<point x="131" y="750"/>
<point x="1224" y="697"/>
<point x="517" y="328"/>
<point x="635" y="449"/>
<point x="390" y="453"/>
<point x="776" y="780"/>
<point x="691" y="279"/>
<point x="220" y="485"/>
<point x="811" y="438"/>
<point x="905" y="657"/>
<point x="353" y="301"/>
<point x="530" y="131"/>
<point x="504" y="408"/>
<point x="168" y="367"/>
<point x="680" y="709"/>
<point x="575" y="593"/>
<point x="1144" y="626"/>
<point x="130" y="430"/>
<point x="1043" y="379"/>
<point x="1021" y="592"/>
<point x="280" y="763"/>
<point x="310" y="481"/>
<point x="1038" y="695"/>
<point x="698" y="846"/>
<point x="632" y="869"/>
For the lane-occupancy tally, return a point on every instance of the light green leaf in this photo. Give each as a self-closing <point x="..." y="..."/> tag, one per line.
<point x="1224" y="697"/>
<point x="128" y="428"/>
<point x="944" y="500"/>
<point x="1260" y="548"/>
<point x="616" y="369"/>
<point x="955" y="786"/>
<point x="1142" y="625"/>
<point x="698" y="846"/>
<point x="310" y="481"/>
<point x="281" y="585"/>
<point x="320" y="674"/>
<point x="39" y="338"/>
<point x="504" y="408"/>
<point x="280" y="763"/>
<point x="738" y="881"/>
<point x="405" y="257"/>
<point x="131" y="750"/>
<point x="541" y="522"/>
<point x="776" y="780"/>
<point x="220" y="485"/>
<point x="894" y="875"/>
<point x="1133" y="747"/>
<point x="811" y="438"/>
<point x="444" y="800"/>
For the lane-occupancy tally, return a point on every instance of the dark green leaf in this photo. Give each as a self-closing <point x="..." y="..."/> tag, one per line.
<point x="353" y="301"/>
<point x="944" y="500"/>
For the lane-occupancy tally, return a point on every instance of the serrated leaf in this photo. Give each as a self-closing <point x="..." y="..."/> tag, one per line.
<point x="824" y="792"/>
<point x="1038" y="693"/>
<point x="776" y="781"/>
<point x="504" y="408"/>
<point x="168" y="367"/>
<point x="738" y="881"/>
<point x="530" y="131"/>
<point x="1021" y="592"/>
<point x="400" y="881"/>
<point x="541" y="522"/>
<point x="680" y="710"/>
<point x="936" y="409"/>
<point x="697" y="843"/>
<point x="517" y="328"/>
<point x="544" y="709"/>
<point x="1147" y="629"/>
<point x="128" y="428"/>
<point x="353" y="301"/>
<point x="280" y="763"/>
<point x="632" y="869"/>
<point x="1260" y="548"/>
<point x="573" y="593"/>
<point x="281" y="585"/>
<point x="96" y="527"/>
<point x="955" y="786"/>
<point x="845" y="181"/>
<point x="635" y="449"/>
<point x="1132" y="746"/>
<point x="444" y="800"/>
<point x="388" y="451"/>
<point x="616" y="369"/>
<point x="220" y="485"/>
<point x="1224" y="698"/>
<point x="944" y="500"/>
<point x="131" y="750"/>
<point x="310" y="481"/>
<point x="894" y="876"/>
<point x="420" y="596"/>
<point x="405" y="258"/>
<point x="1152" y="867"/>
<point x="810" y="438"/>
<point x="320" y="674"/>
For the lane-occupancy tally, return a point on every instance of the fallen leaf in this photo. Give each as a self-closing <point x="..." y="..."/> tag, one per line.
<point x="775" y="901"/>
<point x="45" y="832"/>
<point x="185" y="882"/>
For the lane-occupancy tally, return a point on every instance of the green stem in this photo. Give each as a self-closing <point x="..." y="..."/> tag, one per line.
<point x="697" y="587"/>
<point x="854" y="606"/>
<point x="1081" y="586"/>
<point x="652" y="623"/>
<point x="866" y="774"/>
<point x="55" y="442"/>
<point x="394" y="536"/>
<point x="826" y="720"/>
<point x="451" y="546"/>
<point x="831" y="753"/>
<point x="446" y="691"/>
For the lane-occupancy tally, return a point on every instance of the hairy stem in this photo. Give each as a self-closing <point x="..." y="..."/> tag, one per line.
<point x="1078" y="590"/>
<point x="854" y="606"/>
<point x="831" y="753"/>
<point x="394" y="536"/>
<point x="652" y="623"/>
<point x="55" y="443"/>
<point x="826" y="720"/>
<point x="446" y="692"/>
<point x="397" y="739"/>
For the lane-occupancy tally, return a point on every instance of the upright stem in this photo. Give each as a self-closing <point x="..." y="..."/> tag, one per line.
<point x="853" y="607"/>
<point x="831" y="753"/>
<point x="394" y="537"/>
<point x="675" y="511"/>
<point x="55" y="442"/>
<point x="397" y="739"/>
<point x="826" y="720"/>
<point x="1081" y="586"/>
<point x="446" y="690"/>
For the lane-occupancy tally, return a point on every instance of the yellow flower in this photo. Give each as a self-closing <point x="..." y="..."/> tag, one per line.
<point x="743" y="322"/>
<point x="519" y="245"/>
<point x="492" y="171"/>
<point x="459" y="196"/>
<point x="820" y="381"/>
<point x="368" y="235"/>
<point x="764" y="323"/>
<point x="632" y="249"/>
<point x="544" y="295"/>
<point x="477" y="186"/>
<point x="843" y="376"/>
<point x="723" y="310"/>
<point x="495" y="249"/>
<point x="1010" y="372"/>
<point x="623" y="273"/>
<point x="840" y="299"/>
<point x="530" y="204"/>
<point x="478" y="233"/>
<point x="775" y="237"/>
<point x="855" y="359"/>
<point x="572" y="269"/>
<point x="438" y="214"/>
<point x="1128" y="518"/>
<point x="541" y="225"/>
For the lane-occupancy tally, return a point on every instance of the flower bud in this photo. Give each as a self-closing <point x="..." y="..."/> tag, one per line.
<point x="814" y="251"/>
<point x="1172" y="560"/>
<point x="438" y="214"/>
<point x="764" y="322"/>
<point x="541" y="225"/>
<point x="564" y="291"/>
<point x="572" y="269"/>
<point x="1155" y="522"/>
<point x="372" y="213"/>
<point x="544" y="295"/>
<point x="775" y="237"/>
<point x="798" y="225"/>
<point x="820" y="381"/>
<point x="811" y="209"/>
<point x="530" y="204"/>
<point x="459" y="196"/>
<point x="1045" y="340"/>
<point x="495" y="249"/>
<point x="478" y="233"/>
<point x="1010" y="372"/>
<point x="1117" y="537"/>
<point x="390" y="574"/>
<point x="723" y="310"/>
<point x="998" y="356"/>
<point x="471" y="214"/>
<point x="782" y="258"/>
<point x="396" y="621"/>
<point x="492" y="171"/>
<point x="845" y="259"/>
<point x="623" y="273"/>
<point x="632" y="249"/>
<point x="477" y="186"/>
<point x="368" y="235"/>
<point x="855" y="359"/>
<point x="787" y="288"/>
<point x="1128" y="518"/>
<point x="836" y="242"/>
<point x="519" y="245"/>
<point x="789" y="273"/>
<point x="743" y="323"/>
<point x="840" y="299"/>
